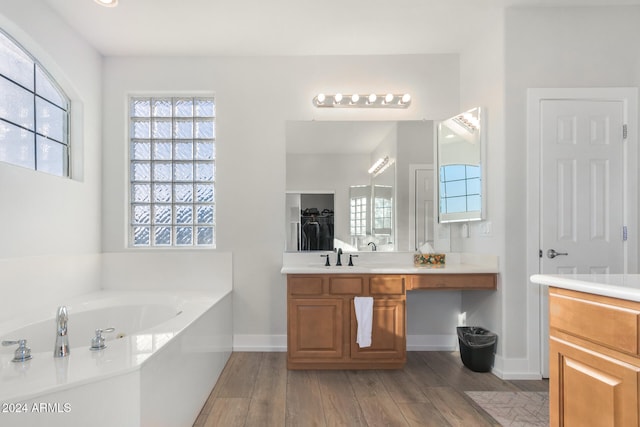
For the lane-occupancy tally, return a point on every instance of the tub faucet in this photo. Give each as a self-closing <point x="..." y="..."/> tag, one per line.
<point x="374" y="248"/>
<point x="61" y="348"/>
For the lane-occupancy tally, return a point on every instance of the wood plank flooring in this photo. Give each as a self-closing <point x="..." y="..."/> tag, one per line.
<point x="255" y="389"/>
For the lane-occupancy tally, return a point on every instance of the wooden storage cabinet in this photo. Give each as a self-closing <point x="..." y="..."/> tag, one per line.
<point x="322" y="327"/>
<point x="387" y="332"/>
<point x="316" y="328"/>
<point x="452" y="282"/>
<point x="594" y="360"/>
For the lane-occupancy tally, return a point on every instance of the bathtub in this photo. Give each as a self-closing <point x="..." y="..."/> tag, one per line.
<point x="158" y="368"/>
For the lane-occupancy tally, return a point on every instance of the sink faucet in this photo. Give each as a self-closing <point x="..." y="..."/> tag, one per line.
<point x="61" y="348"/>
<point x="374" y="248"/>
<point x="339" y="262"/>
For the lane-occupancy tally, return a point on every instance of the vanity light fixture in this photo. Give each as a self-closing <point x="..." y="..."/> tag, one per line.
<point x="379" y="166"/>
<point x="107" y="3"/>
<point x="469" y="121"/>
<point x="373" y="100"/>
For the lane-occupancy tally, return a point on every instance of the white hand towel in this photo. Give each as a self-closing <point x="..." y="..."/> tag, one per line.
<point x="364" y="317"/>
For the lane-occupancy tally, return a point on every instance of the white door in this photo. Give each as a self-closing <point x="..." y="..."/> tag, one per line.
<point x="581" y="191"/>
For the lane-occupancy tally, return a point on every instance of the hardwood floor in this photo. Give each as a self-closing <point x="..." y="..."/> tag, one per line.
<point x="255" y="389"/>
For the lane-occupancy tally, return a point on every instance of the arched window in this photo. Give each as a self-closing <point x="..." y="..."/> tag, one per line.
<point x="34" y="113"/>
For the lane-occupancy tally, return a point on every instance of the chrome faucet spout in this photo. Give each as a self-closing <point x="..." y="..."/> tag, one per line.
<point x="61" y="348"/>
<point x="374" y="248"/>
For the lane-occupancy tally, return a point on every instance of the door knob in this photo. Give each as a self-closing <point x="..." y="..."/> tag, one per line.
<point x="551" y="253"/>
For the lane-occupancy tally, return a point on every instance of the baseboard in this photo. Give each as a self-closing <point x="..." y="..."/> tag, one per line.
<point x="507" y="369"/>
<point x="242" y="342"/>
<point x="273" y="343"/>
<point x="432" y="342"/>
<point x="514" y="369"/>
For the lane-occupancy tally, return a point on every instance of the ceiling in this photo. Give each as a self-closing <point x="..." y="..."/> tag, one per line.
<point x="287" y="27"/>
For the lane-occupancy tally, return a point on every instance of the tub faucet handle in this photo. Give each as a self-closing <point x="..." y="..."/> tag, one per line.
<point x="23" y="353"/>
<point x="351" y="256"/>
<point x="98" y="342"/>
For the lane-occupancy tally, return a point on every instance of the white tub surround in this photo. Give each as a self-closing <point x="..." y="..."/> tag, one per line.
<point x="622" y="286"/>
<point x="33" y="282"/>
<point x="385" y="263"/>
<point x="160" y="375"/>
<point x="167" y="270"/>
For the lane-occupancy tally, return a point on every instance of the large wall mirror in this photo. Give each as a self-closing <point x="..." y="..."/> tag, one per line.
<point x="365" y="168"/>
<point x="460" y="168"/>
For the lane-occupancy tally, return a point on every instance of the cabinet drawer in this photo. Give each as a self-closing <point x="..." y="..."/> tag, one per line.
<point x="595" y="320"/>
<point x="386" y="285"/>
<point x="340" y="285"/>
<point x="305" y="286"/>
<point x="453" y="281"/>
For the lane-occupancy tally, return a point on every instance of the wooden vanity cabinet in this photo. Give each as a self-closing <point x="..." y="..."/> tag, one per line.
<point x="467" y="281"/>
<point x="594" y="360"/>
<point x="322" y="327"/>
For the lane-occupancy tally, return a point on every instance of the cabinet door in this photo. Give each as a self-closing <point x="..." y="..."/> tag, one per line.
<point x="387" y="331"/>
<point x="590" y="389"/>
<point x="315" y="328"/>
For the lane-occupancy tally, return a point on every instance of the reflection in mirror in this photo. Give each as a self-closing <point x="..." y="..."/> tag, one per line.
<point x="371" y="209"/>
<point x="310" y="222"/>
<point x="460" y="168"/>
<point x="383" y="209"/>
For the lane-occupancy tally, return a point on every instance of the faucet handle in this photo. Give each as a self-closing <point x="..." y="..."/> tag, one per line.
<point x="98" y="342"/>
<point x="351" y="256"/>
<point x="327" y="263"/>
<point x="22" y="353"/>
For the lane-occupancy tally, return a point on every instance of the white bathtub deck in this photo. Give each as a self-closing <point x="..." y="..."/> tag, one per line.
<point x="200" y="338"/>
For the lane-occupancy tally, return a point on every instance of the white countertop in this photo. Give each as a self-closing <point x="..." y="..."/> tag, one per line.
<point x="623" y="286"/>
<point x="385" y="263"/>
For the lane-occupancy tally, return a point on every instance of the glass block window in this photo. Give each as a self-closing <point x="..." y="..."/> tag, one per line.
<point x="34" y="113"/>
<point x="172" y="171"/>
<point x="460" y="188"/>
<point x="358" y="216"/>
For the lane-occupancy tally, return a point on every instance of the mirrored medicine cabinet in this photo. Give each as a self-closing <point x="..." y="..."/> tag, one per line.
<point x="460" y="167"/>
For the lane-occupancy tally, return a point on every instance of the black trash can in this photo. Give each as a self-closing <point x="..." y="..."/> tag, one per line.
<point x="477" y="347"/>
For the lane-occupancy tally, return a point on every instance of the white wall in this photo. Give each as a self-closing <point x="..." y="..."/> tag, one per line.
<point x="551" y="47"/>
<point x="255" y="96"/>
<point x="482" y="85"/>
<point x="44" y="216"/>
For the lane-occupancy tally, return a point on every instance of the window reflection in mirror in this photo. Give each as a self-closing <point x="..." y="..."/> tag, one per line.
<point x="372" y="213"/>
<point x="460" y="174"/>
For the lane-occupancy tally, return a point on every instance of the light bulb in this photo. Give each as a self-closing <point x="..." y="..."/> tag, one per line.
<point x="338" y="98"/>
<point x="388" y="98"/>
<point x="107" y="3"/>
<point x="320" y="98"/>
<point x="355" y="98"/>
<point x="406" y="98"/>
<point x="372" y="98"/>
